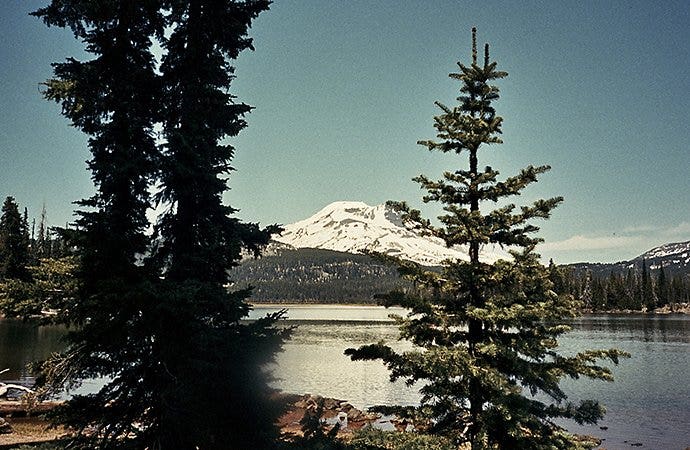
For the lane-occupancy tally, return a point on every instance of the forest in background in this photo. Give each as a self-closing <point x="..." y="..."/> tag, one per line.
<point x="309" y="275"/>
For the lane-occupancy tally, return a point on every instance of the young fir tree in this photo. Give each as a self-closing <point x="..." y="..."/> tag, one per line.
<point x="662" y="287"/>
<point x="14" y="245"/>
<point x="486" y="334"/>
<point x="200" y="240"/>
<point x="113" y="98"/>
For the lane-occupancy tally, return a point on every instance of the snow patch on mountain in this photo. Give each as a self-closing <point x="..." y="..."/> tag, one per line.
<point x="676" y="254"/>
<point x="349" y="226"/>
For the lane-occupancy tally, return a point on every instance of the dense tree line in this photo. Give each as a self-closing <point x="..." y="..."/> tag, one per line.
<point x="36" y="265"/>
<point x="638" y="288"/>
<point x="316" y="276"/>
<point x="23" y="243"/>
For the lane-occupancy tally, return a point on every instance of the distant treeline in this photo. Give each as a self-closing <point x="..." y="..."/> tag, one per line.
<point x="325" y="276"/>
<point x="24" y="243"/>
<point x="637" y="288"/>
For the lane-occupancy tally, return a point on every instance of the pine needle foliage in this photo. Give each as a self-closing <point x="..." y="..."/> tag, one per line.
<point x="113" y="99"/>
<point x="152" y="315"/>
<point x="485" y="334"/>
<point x="199" y="240"/>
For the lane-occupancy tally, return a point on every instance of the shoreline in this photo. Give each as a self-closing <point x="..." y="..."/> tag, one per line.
<point x="680" y="309"/>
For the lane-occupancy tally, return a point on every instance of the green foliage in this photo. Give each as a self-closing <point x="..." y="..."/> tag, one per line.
<point x="152" y="315"/>
<point x="635" y="289"/>
<point x="486" y="335"/>
<point x="369" y="438"/>
<point x="14" y="242"/>
<point x="52" y="289"/>
<point x="199" y="240"/>
<point x="316" y="276"/>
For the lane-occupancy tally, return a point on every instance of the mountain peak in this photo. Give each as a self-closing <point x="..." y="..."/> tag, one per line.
<point x="353" y="226"/>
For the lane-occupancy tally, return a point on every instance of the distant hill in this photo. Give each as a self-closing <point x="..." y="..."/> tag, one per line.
<point x="309" y="275"/>
<point x="674" y="256"/>
<point x="318" y="259"/>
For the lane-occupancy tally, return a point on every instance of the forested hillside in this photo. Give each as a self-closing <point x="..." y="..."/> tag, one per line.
<point x="310" y="275"/>
<point x="307" y="275"/>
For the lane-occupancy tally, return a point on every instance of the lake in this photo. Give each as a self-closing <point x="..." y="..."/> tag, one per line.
<point x="648" y="404"/>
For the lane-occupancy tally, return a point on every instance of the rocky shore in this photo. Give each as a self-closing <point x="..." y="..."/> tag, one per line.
<point x="22" y="423"/>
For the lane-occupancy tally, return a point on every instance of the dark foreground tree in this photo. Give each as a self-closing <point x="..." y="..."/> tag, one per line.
<point x="486" y="333"/>
<point x="157" y="322"/>
<point x="113" y="98"/>
<point x="213" y="360"/>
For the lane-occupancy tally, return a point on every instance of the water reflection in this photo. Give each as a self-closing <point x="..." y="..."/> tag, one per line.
<point x="649" y="403"/>
<point x="644" y="327"/>
<point x="22" y="343"/>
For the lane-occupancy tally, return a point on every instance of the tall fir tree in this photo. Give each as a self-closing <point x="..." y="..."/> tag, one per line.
<point x="14" y="244"/>
<point x="158" y="321"/>
<point x="113" y="98"/>
<point x="486" y="334"/>
<point x="646" y="289"/>
<point x="200" y="240"/>
<point x="662" y="287"/>
<point x="631" y="289"/>
<point x="42" y="241"/>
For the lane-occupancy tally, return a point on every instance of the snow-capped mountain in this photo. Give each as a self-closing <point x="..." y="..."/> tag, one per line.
<point x="676" y="254"/>
<point x="355" y="226"/>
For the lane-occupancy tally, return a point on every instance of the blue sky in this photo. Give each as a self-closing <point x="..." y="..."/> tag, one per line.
<point x="344" y="89"/>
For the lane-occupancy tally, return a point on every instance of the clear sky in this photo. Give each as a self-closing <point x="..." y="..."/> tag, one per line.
<point x="344" y="89"/>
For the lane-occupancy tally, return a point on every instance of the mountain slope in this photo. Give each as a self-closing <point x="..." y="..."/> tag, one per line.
<point x="309" y="275"/>
<point x="675" y="258"/>
<point x="355" y="226"/>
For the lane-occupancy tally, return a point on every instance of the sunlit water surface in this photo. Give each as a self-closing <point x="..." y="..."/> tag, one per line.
<point x="648" y="404"/>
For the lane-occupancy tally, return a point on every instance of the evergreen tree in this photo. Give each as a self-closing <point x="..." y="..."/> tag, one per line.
<point x="159" y="328"/>
<point x="646" y="289"/>
<point x="14" y="245"/>
<point x="585" y="291"/>
<point x="557" y="277"/>
<point x="631" y="290"/>
<point x="599" y="295"/>
<point x="678" y="291"/>
<point x="113" y="98"/>
<point x="42" y="242"/>
<point x="26" y="234"/>
<point x="616" y="296"/>
<point x="200" y="240"/>
<point x="486" y="334"/>
<point x="662" y="287"/>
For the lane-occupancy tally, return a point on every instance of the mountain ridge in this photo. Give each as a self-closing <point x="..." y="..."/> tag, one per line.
<point x="675" y="257"/>
<point x="319" y="259"/>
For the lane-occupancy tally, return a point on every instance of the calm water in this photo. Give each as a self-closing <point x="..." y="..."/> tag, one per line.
<point x="648" y="404"/>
